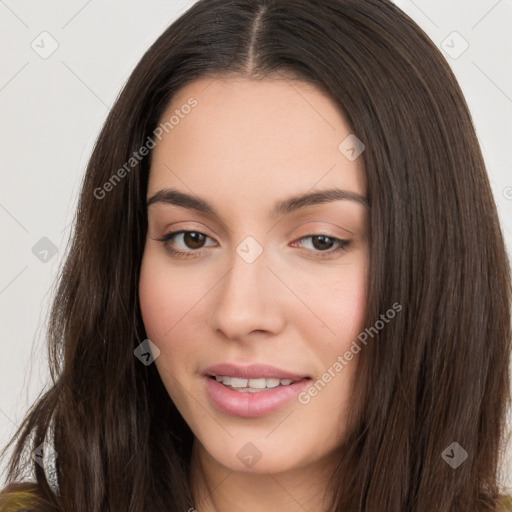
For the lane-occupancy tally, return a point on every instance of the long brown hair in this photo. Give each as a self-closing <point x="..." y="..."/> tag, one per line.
<point x="437" y="374"/>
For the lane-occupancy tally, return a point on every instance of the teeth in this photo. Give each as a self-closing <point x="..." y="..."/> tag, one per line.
<point x="272" y="383"/>
<point x="236" y="382"/>
<point x="252" y="385"/>
<point x="257" y="383"/>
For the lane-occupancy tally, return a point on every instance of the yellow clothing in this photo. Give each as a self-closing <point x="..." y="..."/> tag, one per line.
<point x="508" y="502"/>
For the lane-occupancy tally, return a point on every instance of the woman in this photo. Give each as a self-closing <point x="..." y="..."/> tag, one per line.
<point x="287" y="287"/>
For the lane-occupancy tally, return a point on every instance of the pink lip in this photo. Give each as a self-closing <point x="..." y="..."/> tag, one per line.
<point x="252" y="371"/>
<point x="252" y="405"/>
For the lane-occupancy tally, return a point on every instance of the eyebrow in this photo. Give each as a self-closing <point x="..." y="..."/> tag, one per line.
<point x="285" y="207"/>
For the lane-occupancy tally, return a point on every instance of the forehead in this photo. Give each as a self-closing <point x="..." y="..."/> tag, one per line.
<point x="269" y="134"/>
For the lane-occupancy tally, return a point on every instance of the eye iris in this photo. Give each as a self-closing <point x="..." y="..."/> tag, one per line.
<point x="322" y="242"/>
<point x="193" y="239"/>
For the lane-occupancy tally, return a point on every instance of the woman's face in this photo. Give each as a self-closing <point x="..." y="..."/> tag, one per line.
<point x="267" y="284"/>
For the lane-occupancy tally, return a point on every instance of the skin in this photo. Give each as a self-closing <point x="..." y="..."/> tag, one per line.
<point x="246" y="145"/>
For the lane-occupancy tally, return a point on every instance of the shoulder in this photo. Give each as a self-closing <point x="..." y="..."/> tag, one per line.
<point x="24" y="496"/>
<point x="507" y="503"/>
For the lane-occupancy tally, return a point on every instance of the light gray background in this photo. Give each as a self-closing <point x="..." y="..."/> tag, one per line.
<point x="52" y="110"/>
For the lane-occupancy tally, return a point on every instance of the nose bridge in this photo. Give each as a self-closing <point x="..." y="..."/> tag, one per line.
<point x="247" y="296"/>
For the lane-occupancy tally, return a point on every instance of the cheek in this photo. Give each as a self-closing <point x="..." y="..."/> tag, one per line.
<point x="348" y="302"/>
<point x="339" y="303"/>
<point x="172" y="308"/>
<point x="165" y="296"/>
<point x="156" y="299"/>
<point x="164" y="301"/>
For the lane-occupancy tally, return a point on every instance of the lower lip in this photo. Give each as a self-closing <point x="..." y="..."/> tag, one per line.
<point x="252" y="405"/>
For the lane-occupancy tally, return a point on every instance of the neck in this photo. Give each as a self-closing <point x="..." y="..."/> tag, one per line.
<point x="216" y="488"/>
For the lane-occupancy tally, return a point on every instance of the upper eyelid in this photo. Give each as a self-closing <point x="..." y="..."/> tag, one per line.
<point x="298" y="214"/>
<point x="186" y="226"/>
<point x="313" y="231"/>
<point x="183" y="231"/>
<point x="180" y="231"/>
<point x="200" y="215"/>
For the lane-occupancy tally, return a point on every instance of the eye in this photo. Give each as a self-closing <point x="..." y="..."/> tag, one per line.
<point x="185" y="243"/>
<point x="324" y="245"/>
<point x="189" y="242"/>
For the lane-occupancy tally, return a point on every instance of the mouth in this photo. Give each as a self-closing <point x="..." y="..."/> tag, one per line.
<point x="252" y="391"/>
<point x="254" y="385"/>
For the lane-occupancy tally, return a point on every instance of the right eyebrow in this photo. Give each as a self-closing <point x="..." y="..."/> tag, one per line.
<point x="175" y="197"/>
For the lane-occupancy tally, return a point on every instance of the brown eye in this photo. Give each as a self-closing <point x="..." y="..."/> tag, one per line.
<point x="324" y="246"/>
<point x="322" y="242"/>
<point x="193" y="239"/>
<point x="186" y="243"/>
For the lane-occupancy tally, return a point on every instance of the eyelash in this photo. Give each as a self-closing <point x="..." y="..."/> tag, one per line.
<point x="342" y="245"/>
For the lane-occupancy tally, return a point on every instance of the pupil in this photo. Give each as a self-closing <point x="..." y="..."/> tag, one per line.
<point x="325" y="242"/>
<point x="194" y="240"/>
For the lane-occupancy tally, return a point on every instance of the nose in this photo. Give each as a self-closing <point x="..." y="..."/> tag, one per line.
<point x="249" y="299"/>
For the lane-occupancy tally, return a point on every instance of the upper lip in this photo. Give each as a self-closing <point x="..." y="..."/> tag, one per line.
<point x="252" y="371"/>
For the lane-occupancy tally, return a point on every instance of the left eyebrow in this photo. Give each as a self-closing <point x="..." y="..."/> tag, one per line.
<point x="285" y="207"/>
<point x="313" y="198"/>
